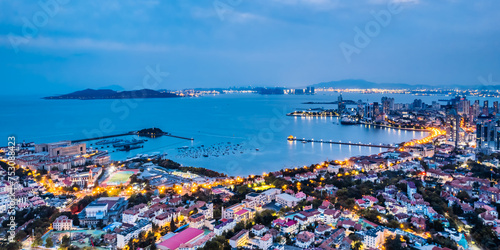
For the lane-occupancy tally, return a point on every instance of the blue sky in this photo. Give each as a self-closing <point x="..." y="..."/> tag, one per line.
<point x="95" y="43"/>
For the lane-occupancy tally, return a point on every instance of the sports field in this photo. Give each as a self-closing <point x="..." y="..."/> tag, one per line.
<point x="120" y="177"/>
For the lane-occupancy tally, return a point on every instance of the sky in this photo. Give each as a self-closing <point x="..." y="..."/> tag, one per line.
<point x="58" y="46"/>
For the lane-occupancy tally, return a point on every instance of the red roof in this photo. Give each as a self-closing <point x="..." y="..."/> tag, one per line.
<point x="242" y="211"/>
<point x="183" y="237"/>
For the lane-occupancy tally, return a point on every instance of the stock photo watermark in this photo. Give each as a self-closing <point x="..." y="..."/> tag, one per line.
<point x="372" y="29"/>
<point x="11" y="173"/>
<point x="488" y="81"/>
<point x="222" y="7"/>
<point x="31" y="26"/>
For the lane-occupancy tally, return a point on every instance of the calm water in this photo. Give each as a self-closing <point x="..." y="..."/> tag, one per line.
<point x="222" y="121"/>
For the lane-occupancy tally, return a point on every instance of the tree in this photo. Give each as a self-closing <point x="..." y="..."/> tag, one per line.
<point x="462" y="195"/>
<point x="49" y="243"/>
<point x="173" y="227"/>
<point x="395" y="243"/>
<point x="38" y="242"/>
<point x="65" y="241"/>
<point x="12" y="246"/>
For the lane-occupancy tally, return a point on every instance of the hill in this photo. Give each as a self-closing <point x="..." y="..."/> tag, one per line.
<point x="93" y="94"/>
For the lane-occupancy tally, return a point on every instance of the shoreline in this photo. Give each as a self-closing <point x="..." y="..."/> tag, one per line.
<point x="400" y="128"/>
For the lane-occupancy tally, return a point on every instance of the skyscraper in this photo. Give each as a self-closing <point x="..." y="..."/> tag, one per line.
<point x="387" y="104"/>
<point x="485" y="108"/>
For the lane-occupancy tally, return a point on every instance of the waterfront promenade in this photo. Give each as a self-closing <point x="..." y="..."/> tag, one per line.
<point x="291" y="138"/>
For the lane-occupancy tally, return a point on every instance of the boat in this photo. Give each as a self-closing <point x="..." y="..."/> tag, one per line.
<point x="257" y="149"/>
<point x="104" y="142"/>
<point x="128" y="143"/>
<point x="346" y="120"/>
<point x="130" y="147"/>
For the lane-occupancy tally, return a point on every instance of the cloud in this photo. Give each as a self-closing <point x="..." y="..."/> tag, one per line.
<point x="57" y="43"/>
<point x="315" y="4"/>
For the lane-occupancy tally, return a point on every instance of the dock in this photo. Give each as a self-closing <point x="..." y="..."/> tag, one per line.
<point x="180" y="137"/>
<point x="130" y="133"/>
<point x="102" y="137"/>
<point x="343" y="143"/>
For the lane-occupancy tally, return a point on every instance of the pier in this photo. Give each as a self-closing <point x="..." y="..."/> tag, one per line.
<point x="180" y="137"/>
<point x="102" y="137"/>
<point x="152" y="133"/>
<point x="290" y="138"/>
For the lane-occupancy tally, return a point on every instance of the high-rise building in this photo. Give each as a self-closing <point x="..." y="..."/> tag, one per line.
<point x="495" y="107"/>
<point x="475" y="109"/>
<point x="463" y="107"/>
<point x="360" y="108"/>
<point x="341" y="105"/>
<point x="387" y="104"/>
<point x="376" y="109"/>
<point x="485" y="108"/>
<point x="487" y="133"/>
<point x="417" y="104"/>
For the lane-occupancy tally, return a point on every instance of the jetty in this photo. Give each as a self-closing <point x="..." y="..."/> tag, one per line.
<point x="149" y="132"/>
<point x="102" y="137"/>
<point x="180" y="137"/>
<point x="291" y="138"/>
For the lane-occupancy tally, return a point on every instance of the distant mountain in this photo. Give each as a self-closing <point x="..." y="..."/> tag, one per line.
<point x="113" y="87"/>
<point x="363" y="84"/>
<point x="93" y="94"/>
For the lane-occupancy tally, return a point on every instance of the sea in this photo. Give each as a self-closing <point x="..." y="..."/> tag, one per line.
<point x="236" y="134"/>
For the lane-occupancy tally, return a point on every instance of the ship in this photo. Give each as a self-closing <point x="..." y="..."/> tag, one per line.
<point x="130" y="147"/>
<point x="346" y="120"/>
<point x="128" y="143"/>
<point x="104" y="142"/>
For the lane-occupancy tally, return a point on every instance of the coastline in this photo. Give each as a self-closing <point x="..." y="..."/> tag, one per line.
<point x="400" y="128"/>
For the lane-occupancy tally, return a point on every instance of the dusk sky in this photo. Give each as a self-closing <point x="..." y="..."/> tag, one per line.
<point x="91" y="44"/>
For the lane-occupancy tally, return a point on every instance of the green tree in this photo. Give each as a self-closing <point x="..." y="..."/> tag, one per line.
<point x="65" y="241"/>
<point x="395" y="243"/>
<point x="173" y="226"/>
<point x="49" y="243"/>
<point x="37" y="242"/>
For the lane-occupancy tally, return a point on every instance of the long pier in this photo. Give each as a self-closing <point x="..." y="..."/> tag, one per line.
<point x="343" y="143"/>
<point x="102" y="137"/>
<point x="124" y="134"/>
<point x="180" y="137"/>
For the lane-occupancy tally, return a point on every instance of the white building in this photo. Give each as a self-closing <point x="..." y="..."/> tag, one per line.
<point x="304" y="239"/>
<point x="266" y="241"/>
<point x="130" y="216"/>
<point x="124" y="236"/>
<point x="224" y="227"/>
<point x="207" y="211"/>
<point x="270" y="194"/>
<point x="287" y="200"/>
<point x="62" y="223"/>
<point x="375" y="237"/>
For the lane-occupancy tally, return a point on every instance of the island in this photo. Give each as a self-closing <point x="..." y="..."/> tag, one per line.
<point x="93" y="94"/>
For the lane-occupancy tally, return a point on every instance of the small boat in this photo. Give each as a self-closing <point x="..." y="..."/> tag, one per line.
<point x="257" y="149"/>
<point x="346" y="120"/>
<point x="103" y="142"/>
<point x="130" y="147"/>
<point x="128" y="143"/>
